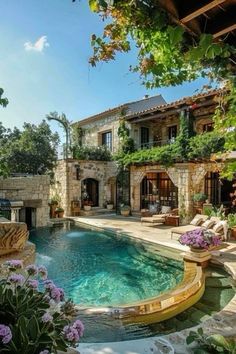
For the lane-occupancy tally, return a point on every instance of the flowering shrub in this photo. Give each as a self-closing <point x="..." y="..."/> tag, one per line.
<point x="33" y="321"/>
<point x="199" y="238"/>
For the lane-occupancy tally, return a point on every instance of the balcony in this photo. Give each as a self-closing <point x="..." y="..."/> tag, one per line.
<point x="155" y="143"/>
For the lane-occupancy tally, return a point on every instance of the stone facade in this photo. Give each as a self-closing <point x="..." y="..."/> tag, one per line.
<point x="34" y="191"/>
<point x="187" y="177"/>
<point x="69" y="186"/>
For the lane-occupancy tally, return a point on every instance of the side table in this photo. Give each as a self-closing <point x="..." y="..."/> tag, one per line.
<point x="172" y="220"/>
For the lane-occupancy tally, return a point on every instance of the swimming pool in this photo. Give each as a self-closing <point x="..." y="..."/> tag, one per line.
<point x="99" y="269"/>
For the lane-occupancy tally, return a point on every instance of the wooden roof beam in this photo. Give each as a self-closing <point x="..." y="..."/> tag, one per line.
<point x="224" y="31"/>
<point x="201" y="10"/>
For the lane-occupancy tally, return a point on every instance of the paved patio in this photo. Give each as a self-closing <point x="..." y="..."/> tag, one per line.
<point x="224" y="322"/>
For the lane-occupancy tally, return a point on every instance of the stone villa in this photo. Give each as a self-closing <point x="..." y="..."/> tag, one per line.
<point x="151" y="122"/>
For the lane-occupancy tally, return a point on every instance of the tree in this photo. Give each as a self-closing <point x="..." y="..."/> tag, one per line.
<point x="3" y="101"/>
<point x="167" y="54"/>
<point x="32" y="150"/>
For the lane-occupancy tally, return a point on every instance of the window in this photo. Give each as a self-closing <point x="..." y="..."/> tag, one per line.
<point x="144" y="138"/>
<point x="207" y="127"/>
<point x="172" y="133"/>
<point x="107" y="139"/>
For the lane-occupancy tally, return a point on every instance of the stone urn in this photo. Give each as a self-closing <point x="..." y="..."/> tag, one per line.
<point x="125" y="210"/>
<point x="87" y="207"/>
<point x="110" y="206"/>
<point x="13" y="236"/>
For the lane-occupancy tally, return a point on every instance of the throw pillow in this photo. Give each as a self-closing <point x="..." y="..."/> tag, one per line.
<point x="165" y="209"/>
<point x="208" y="224"/>
<point x="197" y="220"/>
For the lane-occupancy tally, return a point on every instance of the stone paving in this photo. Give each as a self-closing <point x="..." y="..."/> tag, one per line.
<point x="223" y="322"/>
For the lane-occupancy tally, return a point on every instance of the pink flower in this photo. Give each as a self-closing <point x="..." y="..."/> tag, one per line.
<point x="32" y="269"/>
<point x="47" y="317"/>
<point x="17" y="279"/>
<point x="33" y="283"/>
<point x="5" y="334"/>
<point x="15" y="263"/>
<point x="43" y="273"/>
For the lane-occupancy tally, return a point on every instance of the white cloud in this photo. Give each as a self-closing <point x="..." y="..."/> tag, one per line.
<point x="38" y="46"/>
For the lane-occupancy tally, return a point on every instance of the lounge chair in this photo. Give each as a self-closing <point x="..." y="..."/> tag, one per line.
<point x="214" y="224"/>
<point x="159" y="218"/>
<point x="155" y="219"/>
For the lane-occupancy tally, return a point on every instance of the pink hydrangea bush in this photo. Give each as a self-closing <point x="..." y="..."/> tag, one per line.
<point x="199" y="238"/>
<point x="30" y="321"/>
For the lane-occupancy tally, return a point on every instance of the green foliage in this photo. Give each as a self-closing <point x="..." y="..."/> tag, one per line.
<point x="77" y="135"/>
<point x="214" y="211"/>
<point x="95" y="153"/>
<point x="214" y="343"/>
<point x="182" y="150"/>
<point x="205" y="144"/>
<point x="199" y="197"/>
<point x="35" y="324"/>
<point x="127" y="143"/>
<point x="166" y="53"/>
<point x="3" y="101"/>
<point x="231" y="218"/>
<point x="32" y="150"/>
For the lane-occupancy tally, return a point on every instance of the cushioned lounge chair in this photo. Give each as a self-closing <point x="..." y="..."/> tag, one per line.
<point x="159" y="218"/>
<point x="214" y="224"/>
<point x="155" y="219"/>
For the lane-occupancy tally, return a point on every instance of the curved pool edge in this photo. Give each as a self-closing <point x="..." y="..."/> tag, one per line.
<point x="162" y="307"/>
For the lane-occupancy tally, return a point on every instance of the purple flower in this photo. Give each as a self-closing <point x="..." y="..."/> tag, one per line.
<point x="42" y="271"/>
<point x="71" y="334"/>
<point x="5" y="334"/>
<point x="79" y="326"/>
<point x="33" y="283"/>
<point x="199" y="238"/>
<point x="55" y="294"/>
<point x="47" y="317"/>
<point x="48" y="284"/>
<point x="32" y="269"/>
<point x="17" y="279"/>
<point x="15" y="263"/>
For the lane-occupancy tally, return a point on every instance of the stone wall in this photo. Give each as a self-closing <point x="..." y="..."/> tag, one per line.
<point x="69" y="188"/>
<point x="32" y="190"/>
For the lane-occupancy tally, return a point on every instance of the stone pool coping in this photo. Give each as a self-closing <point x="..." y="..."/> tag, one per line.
<point x="223" y="322"/>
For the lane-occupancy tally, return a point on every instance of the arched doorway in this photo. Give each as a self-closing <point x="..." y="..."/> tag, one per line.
<point x="90" y="191"/>
<point x="158" y="190"/>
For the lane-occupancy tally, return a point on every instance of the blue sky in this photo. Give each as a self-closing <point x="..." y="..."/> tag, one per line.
<point x="44" y="51"/>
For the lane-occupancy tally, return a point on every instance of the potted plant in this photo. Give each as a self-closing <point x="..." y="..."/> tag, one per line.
<point x="199" y="240"/>
<point x="125" y="210"/>
<point x="87" y="204"/>
<point x="199" y="199"/>
<point x="59" y="212"/>
<point x="109" y="205"/>
<point x="53" y="203"/>
<point x="231" y="219"/>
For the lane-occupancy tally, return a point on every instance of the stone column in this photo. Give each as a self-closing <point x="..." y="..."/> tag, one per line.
<point x="15" y="214"/>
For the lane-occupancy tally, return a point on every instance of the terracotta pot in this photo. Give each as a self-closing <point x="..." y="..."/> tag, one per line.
<point x="125" y="212"/>
<point x="233" y="233"/>
<point x="53" y="211"/>
<point x="197" y="249"/>
<point x="60" y="214"/>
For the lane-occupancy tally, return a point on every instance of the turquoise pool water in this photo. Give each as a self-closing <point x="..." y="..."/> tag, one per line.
<point x="99" y="269"/>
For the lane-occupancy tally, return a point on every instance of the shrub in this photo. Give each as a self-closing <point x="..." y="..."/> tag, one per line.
<point x="202" y="146"/>
<point x="32" y="321"/>
<point x="95" y="153"/>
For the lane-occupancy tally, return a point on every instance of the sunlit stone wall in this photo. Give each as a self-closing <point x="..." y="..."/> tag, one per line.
<point x="32" y="190"/>
<point x="68" y="187"/>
